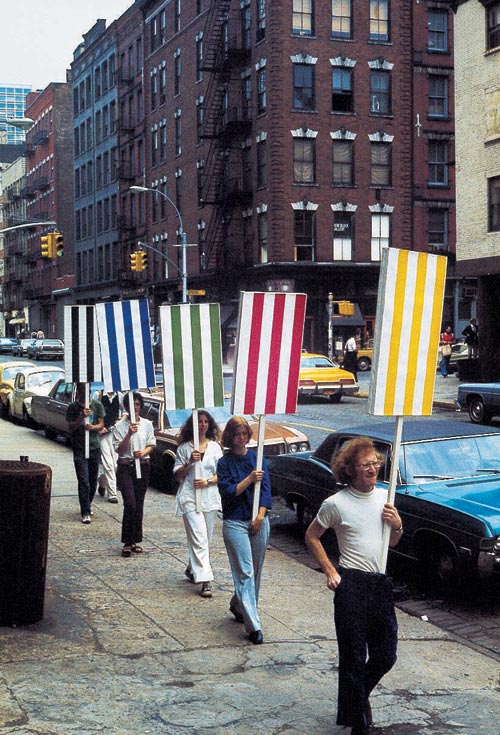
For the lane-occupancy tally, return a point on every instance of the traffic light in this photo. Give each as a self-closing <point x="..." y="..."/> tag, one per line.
<point x="143" y="260"/>
<point x="134" y="261"/>
<point x="58" y="245"/>
<point x="346" y="308"/>
<point x="47" y="245"/>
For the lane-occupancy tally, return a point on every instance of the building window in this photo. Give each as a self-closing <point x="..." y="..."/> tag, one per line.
<point x="178" y="133"/>
<point x="343" y="163"/>
<point x="493" y="25"/>
<point x="304" y="160"/>
<point x="261" y="90"/>
<point x="379" y="20"/>
<point x="246" y="24"/>
<point x="261" y="20"/>
<point x="199" y="120"/>
<point x="177" y="17"/>
<point x="154" y="147"/>
<point x="304" y="97"/>
<point x="343" y="235"/>
<point x="199" y="58"/>
<point x="304" y="234"/>
<point x="341" y="19"/>
<point x="380" y="92"/>
<point x="381" y="224"/>
<point x="163" y="144"/>
<point x="438" y="30"/>
<point x="246" y="96"/>
<point x="163" y="87"/>
<point x="154" y="89"/>
<point x="302" y="17"/>
<point x="342" y="90"/>
<point x="381" y="164"/>
<point x="438" y="162"/>
<point x="262" y="163"/>
<point x="438" y="228"/>
<point x="177" y="73"/>
<point x="262" y="236"/>
<point x="494" y="204"/>
<point x="438" y="96"/>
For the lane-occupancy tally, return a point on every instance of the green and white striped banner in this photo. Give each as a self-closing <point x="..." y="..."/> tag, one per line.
<point x="192" y="356"/>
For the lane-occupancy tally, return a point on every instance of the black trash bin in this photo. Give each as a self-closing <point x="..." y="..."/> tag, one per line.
<point x="24" y="533"/>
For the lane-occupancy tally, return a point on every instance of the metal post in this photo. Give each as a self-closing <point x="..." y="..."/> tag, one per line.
<point x="184" y="267"/>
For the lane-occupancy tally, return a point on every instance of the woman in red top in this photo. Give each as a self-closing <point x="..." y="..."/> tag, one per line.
<point x="445" y="342"/>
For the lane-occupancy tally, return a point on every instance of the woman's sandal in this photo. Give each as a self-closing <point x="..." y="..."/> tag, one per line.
<point x="137" y="549"/>
<point x="127" y="550"/>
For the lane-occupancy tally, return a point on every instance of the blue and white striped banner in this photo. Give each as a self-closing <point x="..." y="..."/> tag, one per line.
<point x="82" y="359"/>
<point x="126" y="349"/>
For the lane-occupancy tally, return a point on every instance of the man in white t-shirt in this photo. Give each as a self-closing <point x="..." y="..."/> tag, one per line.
<point x="365" y="620"/>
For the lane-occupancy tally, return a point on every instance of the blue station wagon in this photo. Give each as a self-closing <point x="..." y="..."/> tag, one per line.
<point x="448" y="491"/>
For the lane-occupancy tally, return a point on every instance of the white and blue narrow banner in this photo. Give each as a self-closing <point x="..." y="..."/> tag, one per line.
<point x="82" y="358"/>
<point x="126" y="349"/>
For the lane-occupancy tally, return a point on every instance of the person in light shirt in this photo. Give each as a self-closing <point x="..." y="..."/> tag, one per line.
<point x="133" y="442"/>
<point x="365" y="620"/>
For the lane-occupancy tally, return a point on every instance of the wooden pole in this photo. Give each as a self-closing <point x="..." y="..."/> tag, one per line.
<point x="197" y="466"/>
<point x="260" y="452"/>
<point x="131" y="413"/>
<point x="396" y="448"/>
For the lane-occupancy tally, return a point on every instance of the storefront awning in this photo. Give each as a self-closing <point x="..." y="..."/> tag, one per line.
<point x="17" y="320"/>
<point x="356" y="320"/>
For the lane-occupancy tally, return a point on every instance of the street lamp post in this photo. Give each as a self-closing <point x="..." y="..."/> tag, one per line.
<point x="184" y="244"/>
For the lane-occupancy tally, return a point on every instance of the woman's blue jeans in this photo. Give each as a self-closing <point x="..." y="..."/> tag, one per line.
<point x="246" y="554"/>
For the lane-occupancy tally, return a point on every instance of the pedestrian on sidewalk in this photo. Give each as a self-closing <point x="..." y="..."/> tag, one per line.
<point x="82" y="420"/>
<point x="199" y="519"/>
<point x="350" y="359"/>
<point x="133" y="443"/>
<point x="471" y="334"/>
<point x="446" y="341"/>
<point x="365" y="620"/>
<point x="107" y="477"/>
<point x="245" y="539"/>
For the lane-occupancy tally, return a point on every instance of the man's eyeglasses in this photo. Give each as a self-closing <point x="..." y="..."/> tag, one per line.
<point x="368" y="465"/>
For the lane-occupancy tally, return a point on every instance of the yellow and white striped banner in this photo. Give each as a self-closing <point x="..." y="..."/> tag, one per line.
<point x="407" y="328"/>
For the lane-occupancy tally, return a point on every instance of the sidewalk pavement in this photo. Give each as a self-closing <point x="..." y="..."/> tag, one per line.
<point x="127" y="646"/>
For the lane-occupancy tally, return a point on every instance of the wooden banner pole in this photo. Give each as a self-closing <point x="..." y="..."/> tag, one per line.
<point x="87" y="435"/>
<point x="131" y="413"/>
<point x="197" y="466"/>
<point x="260" y="452"/>
<point x="393" y="479"/>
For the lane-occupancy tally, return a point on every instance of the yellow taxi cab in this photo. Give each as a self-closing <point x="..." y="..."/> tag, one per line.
<point x="320" y="376"/>
<point x="365" y="356"/>
<point x="8" y="372"/>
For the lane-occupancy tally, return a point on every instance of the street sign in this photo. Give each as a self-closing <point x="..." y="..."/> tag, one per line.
<point x="194" y="292"/>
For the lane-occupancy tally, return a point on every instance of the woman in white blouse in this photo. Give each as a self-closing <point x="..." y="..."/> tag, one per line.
<point x="199" y="524"/>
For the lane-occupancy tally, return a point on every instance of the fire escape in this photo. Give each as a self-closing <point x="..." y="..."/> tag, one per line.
<point x="226" y="182"/>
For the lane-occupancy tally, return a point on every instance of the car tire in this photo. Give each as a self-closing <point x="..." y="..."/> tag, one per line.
<point x="305" y="514"/>
<point x="440" y="564"/>
<point x="336" y="398"/>
<point x="364" y="364"/>
<point x="478" y="413"/>
<point x="8" y="413"/>
<point x="50" y="433"/>
<point x="27" y="420"/>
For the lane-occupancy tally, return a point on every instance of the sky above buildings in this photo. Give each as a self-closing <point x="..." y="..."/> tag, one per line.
<point x="39" y="38"/>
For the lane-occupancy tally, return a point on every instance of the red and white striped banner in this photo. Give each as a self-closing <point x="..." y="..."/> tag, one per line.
<point x="268" y="348"/>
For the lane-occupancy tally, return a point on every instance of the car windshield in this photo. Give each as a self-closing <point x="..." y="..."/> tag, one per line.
<point x="38" y="379"/>
<point x="51" y="343"/>
<point x="10" y="373"/>
<point x="316" y="362"/>
<point x="449" y="458"/>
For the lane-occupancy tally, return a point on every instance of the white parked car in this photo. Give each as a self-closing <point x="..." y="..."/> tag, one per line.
<point x="28" y="383"/>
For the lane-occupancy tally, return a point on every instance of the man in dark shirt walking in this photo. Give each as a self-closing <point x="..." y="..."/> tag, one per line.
<point x="82" y="420"/>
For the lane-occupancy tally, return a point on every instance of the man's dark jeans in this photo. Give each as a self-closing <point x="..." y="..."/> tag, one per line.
<point x="87" y="474"/>
<point x="366" y="626"/>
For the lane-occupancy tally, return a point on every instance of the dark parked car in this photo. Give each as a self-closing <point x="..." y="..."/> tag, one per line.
<point x="46" y="349"/>
<point x="6" y="344"/>
<point x="480" y="400"/>
<point x="448" y="491"/>
<point x="20" y="349"/>
<point x="48" y="412"/>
